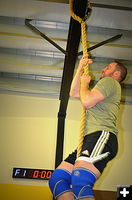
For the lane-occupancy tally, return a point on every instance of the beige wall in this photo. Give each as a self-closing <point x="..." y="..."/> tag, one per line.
<point x="28" y="128"/>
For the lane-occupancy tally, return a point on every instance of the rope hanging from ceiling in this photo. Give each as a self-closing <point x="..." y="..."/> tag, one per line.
<point x="86" y="68"/>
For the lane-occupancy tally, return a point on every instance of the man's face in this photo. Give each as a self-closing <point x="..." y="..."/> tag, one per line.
<point x="109" y="70"/>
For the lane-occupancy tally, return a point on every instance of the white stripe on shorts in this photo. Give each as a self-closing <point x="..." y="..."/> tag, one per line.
<point x="100" y="144"/>
<point x="96" y="153"/>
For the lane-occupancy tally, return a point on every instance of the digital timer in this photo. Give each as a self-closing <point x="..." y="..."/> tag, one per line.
<point x="27" y="173"/>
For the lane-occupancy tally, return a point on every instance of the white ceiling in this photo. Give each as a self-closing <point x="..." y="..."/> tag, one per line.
<point x="38" y="57"/>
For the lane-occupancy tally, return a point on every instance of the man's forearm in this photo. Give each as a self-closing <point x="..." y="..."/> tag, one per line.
<point x="89" y="98"/>
<point x="84" y="94"/>
<point x="75" y="86"/>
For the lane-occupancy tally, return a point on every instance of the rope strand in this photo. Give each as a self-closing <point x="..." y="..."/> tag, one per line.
<point x="86" y="71"/>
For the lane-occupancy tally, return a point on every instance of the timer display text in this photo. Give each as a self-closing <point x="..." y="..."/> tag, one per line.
<point x="27" y="173"/>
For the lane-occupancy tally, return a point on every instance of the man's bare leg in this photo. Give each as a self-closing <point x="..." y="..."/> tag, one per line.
<point x="67" y="166"/>
<point x="87" y="165"/>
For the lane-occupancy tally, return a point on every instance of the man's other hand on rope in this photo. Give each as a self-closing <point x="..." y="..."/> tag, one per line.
<point x="84" y="62"/>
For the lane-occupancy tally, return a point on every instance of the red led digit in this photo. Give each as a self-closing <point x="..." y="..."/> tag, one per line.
<point x="43" y="173"/>
<point x="48" y="175"/>
<point x="35" y="174"/>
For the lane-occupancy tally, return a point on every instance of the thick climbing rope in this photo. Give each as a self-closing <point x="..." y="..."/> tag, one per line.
<point x="86" y="71"/>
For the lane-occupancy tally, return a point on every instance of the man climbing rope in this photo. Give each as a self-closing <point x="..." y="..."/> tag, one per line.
<point x="75" y="177"/>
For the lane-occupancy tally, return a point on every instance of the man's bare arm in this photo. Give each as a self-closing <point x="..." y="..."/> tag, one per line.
<point x="89" y="98"/>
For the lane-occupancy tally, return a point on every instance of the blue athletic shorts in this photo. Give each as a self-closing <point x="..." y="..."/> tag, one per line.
<point x="97" y="144"/>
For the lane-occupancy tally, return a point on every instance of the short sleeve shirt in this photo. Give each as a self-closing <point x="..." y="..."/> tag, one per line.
<point x="104" y="114"/>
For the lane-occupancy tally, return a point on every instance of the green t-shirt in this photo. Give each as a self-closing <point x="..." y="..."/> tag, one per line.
<point x="104" y="114"/>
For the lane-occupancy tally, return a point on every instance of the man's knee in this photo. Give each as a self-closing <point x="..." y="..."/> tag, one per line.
<point x="82" y="182"/>
<point x="60" y="182"/>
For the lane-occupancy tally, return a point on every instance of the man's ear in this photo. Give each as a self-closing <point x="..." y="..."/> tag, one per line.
<point x="117" y="75"/>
